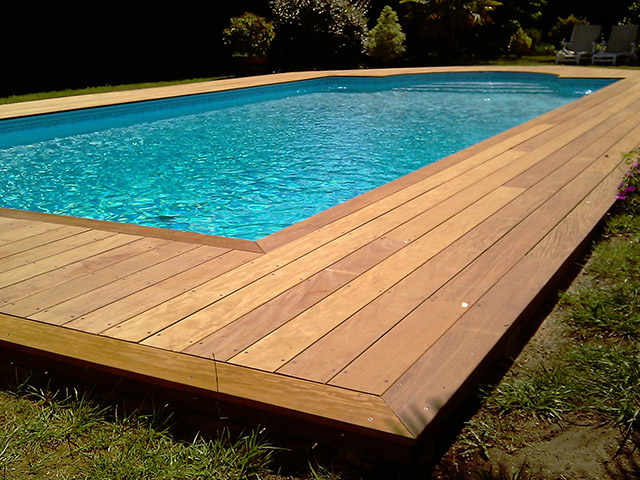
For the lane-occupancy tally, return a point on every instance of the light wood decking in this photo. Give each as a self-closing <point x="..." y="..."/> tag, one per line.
<point x="373" y="317"/>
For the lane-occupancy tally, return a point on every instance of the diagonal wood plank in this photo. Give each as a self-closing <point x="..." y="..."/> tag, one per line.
<point x="18" y="261"/>
<point x="371" y="371"/>
<point x="273" y="351"/>
<point x="50" y="235"/>
<point x="114" y="314"/>
<point x="187" y="255"/>
<point x="71" y="288"/>
<point x="81" y="267"/>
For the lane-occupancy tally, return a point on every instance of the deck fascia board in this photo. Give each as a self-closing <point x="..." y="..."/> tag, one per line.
<point x="350" y="409"/>
<point x="131" y="229"/>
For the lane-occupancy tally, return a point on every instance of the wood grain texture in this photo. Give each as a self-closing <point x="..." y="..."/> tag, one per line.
<point x="82" y="267"/>
<point x="433" y="381"/>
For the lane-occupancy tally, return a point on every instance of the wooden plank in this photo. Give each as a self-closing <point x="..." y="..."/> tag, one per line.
<point x="62" y="313"/>
<point x="24" y="258"/>
<point x="621" y="120"/>
<point x="14" y="230"/>
<point x="27" y="243"/>
<point x="279" y="347"/>
<point x="430" y="385"/>
<point x="325" y="358"/>
<point x="344" y="408"/>
<point x="138" y="327"/>
<point x="64" y="258"/>
<point x="93" y="280"/>
<point x="562" y="241"/>
<point x="77" y="269"/>
<point x="248" y="329"/>
<point x="371" y="371"/>
<point x="114" y="314"/>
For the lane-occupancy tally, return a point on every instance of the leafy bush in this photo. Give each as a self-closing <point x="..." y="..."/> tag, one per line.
<point x="386" y="39"/>
<point x="319" y="33"/>
<point x="520" y="42"/>
<point x="248" y="35"/>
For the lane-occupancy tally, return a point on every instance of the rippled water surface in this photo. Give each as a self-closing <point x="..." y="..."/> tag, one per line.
<point x="238" y="168"/>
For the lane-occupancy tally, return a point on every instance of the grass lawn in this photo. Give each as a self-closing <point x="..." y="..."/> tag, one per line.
<point x="106" y="88"/>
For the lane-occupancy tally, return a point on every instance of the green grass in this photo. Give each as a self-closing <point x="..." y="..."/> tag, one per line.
<point x="49" y="433"/>
<point x="592" y="376"/>
<point x="102" y="89"/>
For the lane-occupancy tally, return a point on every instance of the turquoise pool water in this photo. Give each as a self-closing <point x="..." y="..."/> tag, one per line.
<point x="250" y="162"/>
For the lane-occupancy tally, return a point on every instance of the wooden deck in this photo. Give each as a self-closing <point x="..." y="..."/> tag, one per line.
<point x="372" y="318"/>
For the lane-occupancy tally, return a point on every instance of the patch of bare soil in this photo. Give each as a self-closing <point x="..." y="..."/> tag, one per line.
<point x="571" y="448"/>
<point x="571" y="452"/>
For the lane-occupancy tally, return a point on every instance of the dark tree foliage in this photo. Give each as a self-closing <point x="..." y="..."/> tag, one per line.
<point x="446" y="28"/>
<point x="314" y="34"/>
<point x="47" y="46"/>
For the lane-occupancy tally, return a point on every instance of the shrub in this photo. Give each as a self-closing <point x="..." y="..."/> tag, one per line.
<point x="386" y="39"/>
<point x="248" y="35"/>
<point x="319" y="33"/>
<point x="520" y="42"/>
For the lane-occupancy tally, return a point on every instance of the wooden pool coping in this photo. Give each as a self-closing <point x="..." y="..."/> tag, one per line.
<point x="572" y="165"/>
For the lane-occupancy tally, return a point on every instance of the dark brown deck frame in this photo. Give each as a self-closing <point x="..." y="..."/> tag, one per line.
<point x="370" y="320"/>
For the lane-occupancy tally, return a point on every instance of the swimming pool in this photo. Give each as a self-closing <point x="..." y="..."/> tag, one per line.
<point x="249" y="162"/>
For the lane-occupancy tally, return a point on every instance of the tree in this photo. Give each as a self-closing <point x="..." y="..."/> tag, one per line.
<point x="319" y="33"/>
<point x="386" y="39"/>
<point x="444" y="23"/>
<point x="248" y="35"/>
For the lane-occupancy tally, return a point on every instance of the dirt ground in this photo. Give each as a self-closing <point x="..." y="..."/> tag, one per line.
<point x="573" y="448"/>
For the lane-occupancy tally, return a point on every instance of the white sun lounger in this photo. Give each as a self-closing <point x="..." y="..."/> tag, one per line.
<point x="582" y="44"/>
<point x="621" y="44"/>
